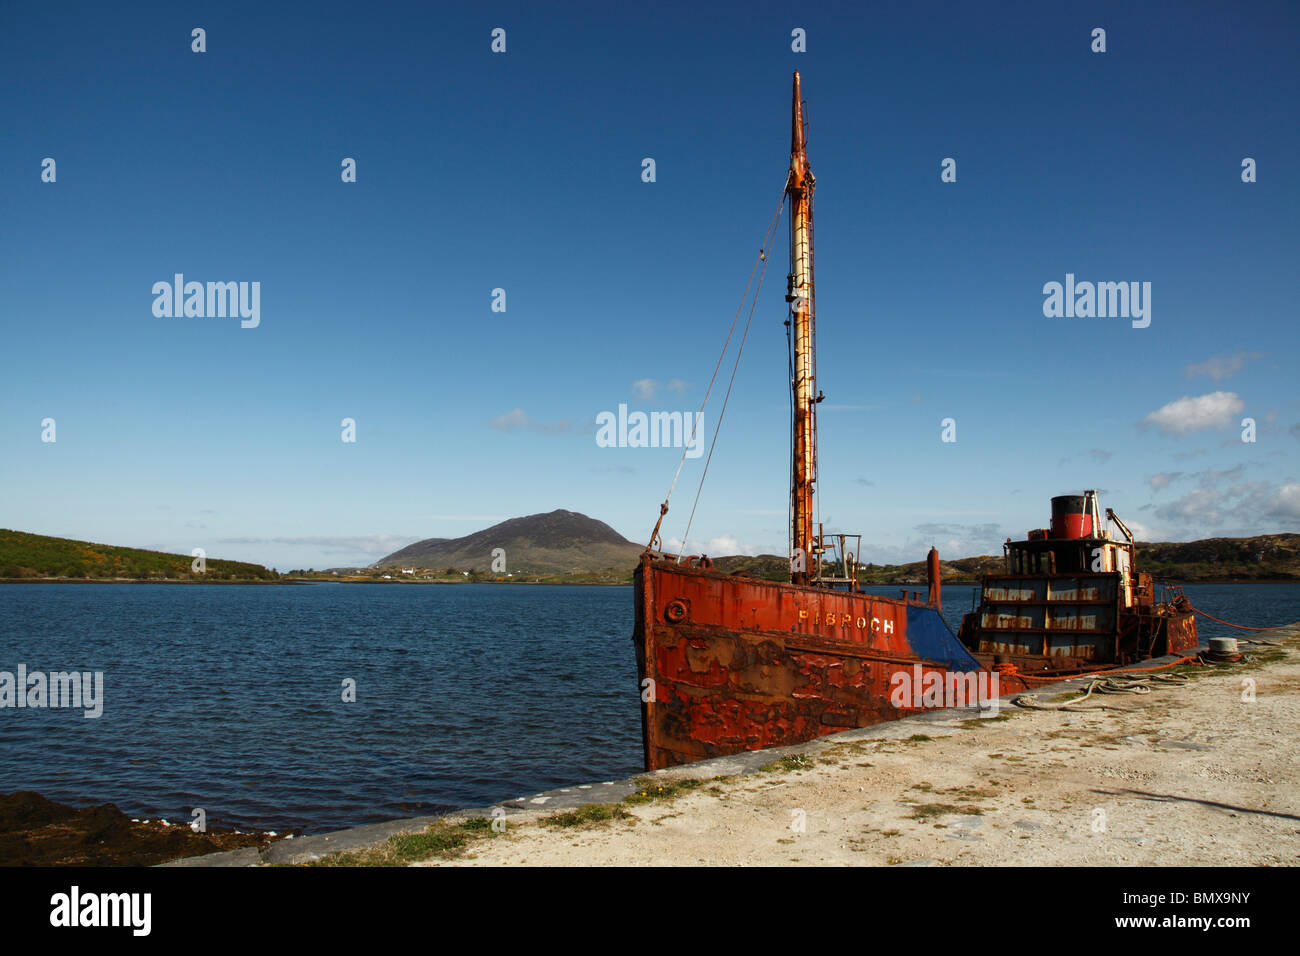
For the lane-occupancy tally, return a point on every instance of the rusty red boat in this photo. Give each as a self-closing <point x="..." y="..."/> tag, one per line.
<point x="729" y="663"/>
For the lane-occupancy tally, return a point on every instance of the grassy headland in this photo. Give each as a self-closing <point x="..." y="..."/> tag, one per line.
<point x="26" y="556"/>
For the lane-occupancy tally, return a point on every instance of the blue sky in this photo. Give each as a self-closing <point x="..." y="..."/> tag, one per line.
<point x="522" y="171"/>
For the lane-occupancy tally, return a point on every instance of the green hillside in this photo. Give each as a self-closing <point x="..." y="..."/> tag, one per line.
<point x="24" y="555"/>
<point x="1265" y="557"/>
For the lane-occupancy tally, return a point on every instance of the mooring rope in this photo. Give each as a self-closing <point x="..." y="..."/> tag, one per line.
<point x="1107" y="671"/>
<point x="1102" y="685"/>
<point x="1240" y="627"/>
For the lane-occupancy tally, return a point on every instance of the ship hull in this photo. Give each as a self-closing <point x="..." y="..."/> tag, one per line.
<point x="729" y="664"/>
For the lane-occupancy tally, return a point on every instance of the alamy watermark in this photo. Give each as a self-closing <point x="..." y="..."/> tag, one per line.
<point x="57" y="689"/>
<point x="1101" y="300"/>
<point x="921" y="688"/>
<point x="653" y="430"/>
<point x="219" y="300"/>
<point x="125" y="910"/>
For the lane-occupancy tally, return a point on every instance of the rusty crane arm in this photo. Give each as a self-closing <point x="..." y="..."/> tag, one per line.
<point x="1132" y="543"/>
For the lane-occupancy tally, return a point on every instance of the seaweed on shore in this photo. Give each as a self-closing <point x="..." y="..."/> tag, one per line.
<point x="35" y="831"/>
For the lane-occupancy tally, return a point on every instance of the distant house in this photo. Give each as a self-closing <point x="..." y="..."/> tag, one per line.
<point x="408" y="570"/>
<point x="388" y="577"/>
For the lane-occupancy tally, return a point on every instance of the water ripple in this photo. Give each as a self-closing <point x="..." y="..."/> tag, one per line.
<point x="230" y="698"/>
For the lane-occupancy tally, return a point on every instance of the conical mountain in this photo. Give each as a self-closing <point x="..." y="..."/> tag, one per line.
<point x="555" y="542"/>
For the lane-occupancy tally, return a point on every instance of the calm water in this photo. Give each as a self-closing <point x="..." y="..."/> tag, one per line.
<point x="229" y="698"/>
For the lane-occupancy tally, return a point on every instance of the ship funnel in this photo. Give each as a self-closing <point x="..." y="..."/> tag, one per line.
<point x="1072" y="515"/>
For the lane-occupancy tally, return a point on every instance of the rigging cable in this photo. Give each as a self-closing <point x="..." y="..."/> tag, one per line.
<point x="771" y="233"/>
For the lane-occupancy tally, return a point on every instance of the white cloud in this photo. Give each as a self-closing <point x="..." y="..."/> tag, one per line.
<point x="1286" y="502"/>
<point x="1202" y="504"/>
<point x="953" y="541"/>
<point x="645" y="388"/>
<point x="510" y="421"/>
<point x="1221" y="367"/>
<point x="1232" y="505"/>
<point x="1188" y="414"/>
<point x="724" y="544"/>
<point x="721" y="546"/>
<point x="517" y="419"/>
<point x="1145" y="532"/>
<point x="1163" y="480"/>
<point x="1211" y="478"/>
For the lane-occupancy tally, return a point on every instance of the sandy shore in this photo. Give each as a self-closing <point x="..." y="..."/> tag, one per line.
<point x="1189" y="774"/>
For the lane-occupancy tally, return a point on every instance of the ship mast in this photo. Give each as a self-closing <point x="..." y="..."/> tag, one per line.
<point x="799" y="293"/>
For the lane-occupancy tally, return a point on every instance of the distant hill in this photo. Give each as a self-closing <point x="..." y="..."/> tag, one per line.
<point x="557" y="542"/>
<point x="771" y="567"/>
<point x="1265" y="557"/>
<point x="24" y="555"/>
<point x="959" y="571"/>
